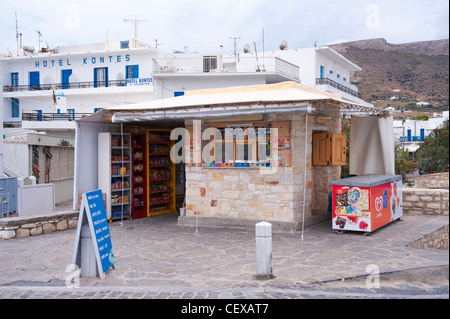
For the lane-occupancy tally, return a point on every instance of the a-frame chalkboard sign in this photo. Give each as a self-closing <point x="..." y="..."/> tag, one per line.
<point x="93" y="215"/>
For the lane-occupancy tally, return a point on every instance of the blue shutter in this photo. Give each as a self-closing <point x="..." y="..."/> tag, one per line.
<point x="65" y="75"/>
<point x="14" y="79"/>
<point x="34" y="80"/>
<point x="15" y="107"/>
<point x="39" y="115"/>
<point x="132" y="71"/>
<point x="322" y="71"/>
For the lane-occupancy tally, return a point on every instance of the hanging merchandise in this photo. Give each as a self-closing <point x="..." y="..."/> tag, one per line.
<point x="139" y="201"/>
<point x="161" y="174"/>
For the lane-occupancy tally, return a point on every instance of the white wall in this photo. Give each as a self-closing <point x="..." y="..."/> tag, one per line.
<point x="165" y="87"/>
<point x="309" y="61"/>
<point x="83" y="100"/>
<point x="332" y="65"/>
<point x="86" y="156"/>
<point x="81" y="64"/>
<point x="16" y="156"/>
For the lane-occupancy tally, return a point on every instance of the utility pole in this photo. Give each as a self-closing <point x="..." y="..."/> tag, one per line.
<point x="135" y="21"/>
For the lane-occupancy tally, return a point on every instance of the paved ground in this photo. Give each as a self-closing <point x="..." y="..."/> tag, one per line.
<point x="156" y="258"/>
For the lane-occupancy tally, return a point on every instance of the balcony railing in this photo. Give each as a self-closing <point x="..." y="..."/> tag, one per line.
<point x="338" y="86"/>
<point x="44" y="117"/>
<point x="213" y="64"/>
<point x="63" y="86"/>
<point x="412" y="139"/>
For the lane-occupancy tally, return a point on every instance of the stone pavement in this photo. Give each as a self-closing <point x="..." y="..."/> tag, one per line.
<point x="156" y="258"/>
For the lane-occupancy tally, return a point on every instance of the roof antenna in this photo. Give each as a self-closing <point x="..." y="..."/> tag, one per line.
<point x="257" y="63"/>
<point x="235" y="47"/>
<point x="135" y="21"/>
<point x="17" y="35"/>
<point x="263" y="66"/>
<point x="40" y="36"/>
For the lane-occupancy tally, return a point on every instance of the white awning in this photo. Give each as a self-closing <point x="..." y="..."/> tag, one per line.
<point x="236" y="101"/>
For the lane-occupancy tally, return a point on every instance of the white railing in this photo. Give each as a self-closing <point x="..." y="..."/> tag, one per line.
<point x="217" y="64"/>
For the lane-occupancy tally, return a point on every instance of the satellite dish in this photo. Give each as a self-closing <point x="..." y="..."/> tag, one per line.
<point x="283" y="45"/>
<point x="246" y="48"/>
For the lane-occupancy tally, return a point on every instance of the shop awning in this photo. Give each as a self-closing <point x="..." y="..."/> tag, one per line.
<point x="236" y="101"/>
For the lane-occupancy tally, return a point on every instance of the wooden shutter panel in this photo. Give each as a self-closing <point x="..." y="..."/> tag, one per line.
<point x="321" y="149"/>
<point x="338" y="153"/>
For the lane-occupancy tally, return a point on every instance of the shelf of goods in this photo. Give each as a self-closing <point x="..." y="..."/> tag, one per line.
<point x="114" y="173"/>
<point x="139" y="179"/>
<point x="161" y="174"/>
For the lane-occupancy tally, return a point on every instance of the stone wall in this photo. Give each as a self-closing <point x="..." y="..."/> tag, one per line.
<point x="240" y="196"/>
<point x="423" y="201"/>
<point x="437" y="180"/>
<point x="438" y="239"/>
<point x="18" y="227"/>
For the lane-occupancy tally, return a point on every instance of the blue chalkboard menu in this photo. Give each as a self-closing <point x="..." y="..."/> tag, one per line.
<point x="93" y="212"/>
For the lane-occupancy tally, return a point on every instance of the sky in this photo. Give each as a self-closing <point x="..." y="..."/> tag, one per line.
<point x="204" y="25"/>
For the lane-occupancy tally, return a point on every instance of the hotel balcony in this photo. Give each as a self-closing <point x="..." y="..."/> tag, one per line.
<point x="87" y="88"/>
<point x="65" y="86"/>
<point x="226" y="65"/>
<point x="35" y="120"/>
<point x="34" y="116"/>
<point x="343" y="87"/>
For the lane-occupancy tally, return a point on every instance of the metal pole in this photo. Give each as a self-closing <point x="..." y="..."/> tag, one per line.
<point x="263" y="232"/>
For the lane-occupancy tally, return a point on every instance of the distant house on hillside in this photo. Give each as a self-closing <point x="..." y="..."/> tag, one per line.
<point x="411" y="133"/>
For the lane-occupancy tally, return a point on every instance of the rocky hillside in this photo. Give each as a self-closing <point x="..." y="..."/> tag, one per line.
<point x="401" y="75"/>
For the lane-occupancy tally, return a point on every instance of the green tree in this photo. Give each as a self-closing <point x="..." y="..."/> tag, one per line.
<point x="433" y="152"/>
<point x="404" y="165"/>
<point x="421" y="117"/>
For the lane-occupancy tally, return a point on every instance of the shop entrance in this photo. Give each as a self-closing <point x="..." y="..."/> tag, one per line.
<point x="137" y="170"/>
<point x="157" y="183"/>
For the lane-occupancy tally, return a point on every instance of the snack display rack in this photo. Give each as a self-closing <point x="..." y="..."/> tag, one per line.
<point x="139" y="178"/>
<point x="114" y="173"/>
<point x="161" y="174"/>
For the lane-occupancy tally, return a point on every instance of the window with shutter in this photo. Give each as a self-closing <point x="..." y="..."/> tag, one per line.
<point x="329" y="149"/>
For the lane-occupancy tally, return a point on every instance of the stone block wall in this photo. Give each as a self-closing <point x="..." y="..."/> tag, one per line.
<point x="425" y="201"/>
<point x="240" y="195"/>
<point x="437" y="180"/>
<point x="18" y="227"/>
<point x="438" y="239"/>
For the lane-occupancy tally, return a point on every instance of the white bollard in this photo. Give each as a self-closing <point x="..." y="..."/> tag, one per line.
<point x="263" y="250"/>
<point x="88" y="260"/>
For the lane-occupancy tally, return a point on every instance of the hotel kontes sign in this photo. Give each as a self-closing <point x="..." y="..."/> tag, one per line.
<point x="99" y="60"/>
<point x="140" y="81"/>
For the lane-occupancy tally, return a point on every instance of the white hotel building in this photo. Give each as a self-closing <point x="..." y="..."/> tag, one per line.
<point x="48" y="91"/>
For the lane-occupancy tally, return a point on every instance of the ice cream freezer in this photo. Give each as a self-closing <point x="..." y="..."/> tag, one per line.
<point x="367" y="202"/>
